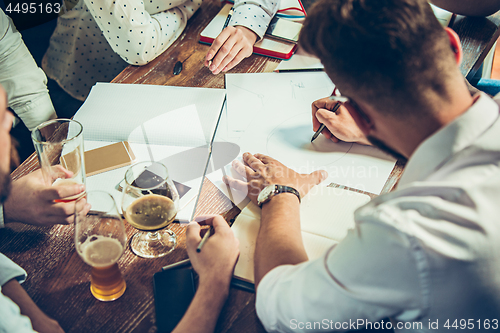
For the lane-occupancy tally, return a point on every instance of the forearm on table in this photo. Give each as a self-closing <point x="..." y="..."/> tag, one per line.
<point x="280" y="240"/>
<point x="18" y="295"/>
<point x="204" y="310"/>
<point x="261" y="13"/>
<point x="136" y="35"/>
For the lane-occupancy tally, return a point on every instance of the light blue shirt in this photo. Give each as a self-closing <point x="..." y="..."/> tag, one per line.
<point x="426" y="255"/>
<point x="11" y="320"/>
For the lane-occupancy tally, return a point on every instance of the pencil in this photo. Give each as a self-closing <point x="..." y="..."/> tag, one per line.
<point x="178" y="264"/>
<point x="204" y="239"/>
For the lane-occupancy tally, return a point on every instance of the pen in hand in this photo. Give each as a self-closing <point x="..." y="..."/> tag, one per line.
<point x="231" y="12"/>
<point x="204" y="239"/>
<point x="340" y="100"/>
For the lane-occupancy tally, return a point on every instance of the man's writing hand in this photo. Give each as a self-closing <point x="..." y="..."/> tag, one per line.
<point x="340" y="126"/>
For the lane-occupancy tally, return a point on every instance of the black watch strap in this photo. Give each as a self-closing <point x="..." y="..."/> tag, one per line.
<point x="287" y="189"/>
<point x="276" y="189"/>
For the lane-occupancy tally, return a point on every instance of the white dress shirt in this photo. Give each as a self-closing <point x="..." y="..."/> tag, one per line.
<point x="11" y="320"/>
<point x="24" y="82"/>
<point x="96" y="39"/>
<point x="426" y="253"/>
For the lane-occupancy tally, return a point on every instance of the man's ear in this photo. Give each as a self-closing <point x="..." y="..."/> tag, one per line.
<point x="455" y="44"/>
<point x="363" y="121"/>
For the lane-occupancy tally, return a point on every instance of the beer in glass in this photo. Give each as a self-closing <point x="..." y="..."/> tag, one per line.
<point x="100" y="240"/>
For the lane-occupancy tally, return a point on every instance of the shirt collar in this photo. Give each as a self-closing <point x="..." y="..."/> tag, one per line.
<point x="454" y="137"/>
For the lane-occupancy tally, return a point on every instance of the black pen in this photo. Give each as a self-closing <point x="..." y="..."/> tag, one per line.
<point x="231" y="12"/>
<point x="340" y="100"/>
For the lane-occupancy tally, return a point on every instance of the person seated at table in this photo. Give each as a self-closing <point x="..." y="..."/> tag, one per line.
<point x="95" y="40"/>
<point x="25" y="84"/>
<point x="15" y="304"/>
<point x="426" y="254"/>
<point x="214" y="266"/>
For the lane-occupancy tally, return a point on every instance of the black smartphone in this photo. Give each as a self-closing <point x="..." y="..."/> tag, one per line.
<point x="174" y="290"/>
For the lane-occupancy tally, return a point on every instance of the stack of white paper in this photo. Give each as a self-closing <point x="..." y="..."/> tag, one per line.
<point x="174" y="125"/>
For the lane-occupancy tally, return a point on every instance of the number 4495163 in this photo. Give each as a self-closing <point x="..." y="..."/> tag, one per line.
<point x="33" y="8"/>
<point x="471" y="324"/>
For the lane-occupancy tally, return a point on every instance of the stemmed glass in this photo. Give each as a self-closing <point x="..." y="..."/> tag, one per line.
<point x="150" y="203"/>
<point x="100" y="240"/>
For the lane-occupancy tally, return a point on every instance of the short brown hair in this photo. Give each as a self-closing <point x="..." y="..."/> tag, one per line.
<point x="389" y="52"/>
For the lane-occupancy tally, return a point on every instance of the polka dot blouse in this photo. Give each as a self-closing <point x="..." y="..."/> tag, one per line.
<point x="96" y="39"/>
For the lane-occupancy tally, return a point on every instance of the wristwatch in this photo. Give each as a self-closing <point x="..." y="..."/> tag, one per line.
<point x="272" y="190"/>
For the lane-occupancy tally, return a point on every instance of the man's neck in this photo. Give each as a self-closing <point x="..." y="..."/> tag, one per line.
<point x="405" y="135"/>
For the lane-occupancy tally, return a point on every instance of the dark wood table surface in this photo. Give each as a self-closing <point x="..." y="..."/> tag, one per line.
<point x="58" y="280"/>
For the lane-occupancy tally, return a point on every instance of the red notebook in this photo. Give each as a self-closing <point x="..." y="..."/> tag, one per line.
<point x="266" y="46"/>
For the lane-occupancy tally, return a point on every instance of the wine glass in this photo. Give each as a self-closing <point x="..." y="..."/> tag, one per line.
<point x="100" y="240"/>
<point x="150" y="203"/>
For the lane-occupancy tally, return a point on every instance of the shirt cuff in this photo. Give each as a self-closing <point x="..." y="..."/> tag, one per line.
<point x="10" y="270"/>
<point x="37" y="111"/>
<point x="252" y="17"/>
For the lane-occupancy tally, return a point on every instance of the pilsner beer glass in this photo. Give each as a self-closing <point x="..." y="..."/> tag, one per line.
<point x="60" y="142"/>
<point x="100" y="240"/>
<point x="150" y="203"/>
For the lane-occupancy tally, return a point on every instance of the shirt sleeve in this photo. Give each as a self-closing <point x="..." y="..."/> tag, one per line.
<point x="254" y="14"/>
<point x="9" y="270"/>
<point x="139" y="30"/>
<point x="24" y="82"/>
<point x="11" y="319"/>
<point x="370" y="275"/>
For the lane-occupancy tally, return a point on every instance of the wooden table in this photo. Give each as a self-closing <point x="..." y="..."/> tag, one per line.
<point x="58" y="280"/>
<point x="477" y="36"/>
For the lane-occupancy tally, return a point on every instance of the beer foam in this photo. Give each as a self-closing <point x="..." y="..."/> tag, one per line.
<point x="100" y="251"/>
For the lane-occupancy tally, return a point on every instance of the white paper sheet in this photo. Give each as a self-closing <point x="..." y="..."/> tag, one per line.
<point x="167" y="124"/>
<point x="299" y="62"/>
<point x="114" y="112"/>
<point x="271" y="114"/>
<point x="326" y="215"/>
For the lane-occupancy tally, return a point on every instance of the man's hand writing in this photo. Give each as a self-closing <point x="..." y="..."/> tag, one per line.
<point x="340" y="126"/>
<point x="215" y="262"/>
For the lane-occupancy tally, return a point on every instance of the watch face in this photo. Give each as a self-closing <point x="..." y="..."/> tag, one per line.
<point x="265" y="193"/>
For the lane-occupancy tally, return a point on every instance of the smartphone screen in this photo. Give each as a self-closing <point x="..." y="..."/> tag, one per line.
<point x="174" y="290"/>
<point x="283" y="29"/>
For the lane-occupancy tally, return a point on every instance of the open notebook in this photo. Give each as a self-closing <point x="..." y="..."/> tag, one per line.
<point x="172" y="125"/>
<point x="326" y="214"/>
